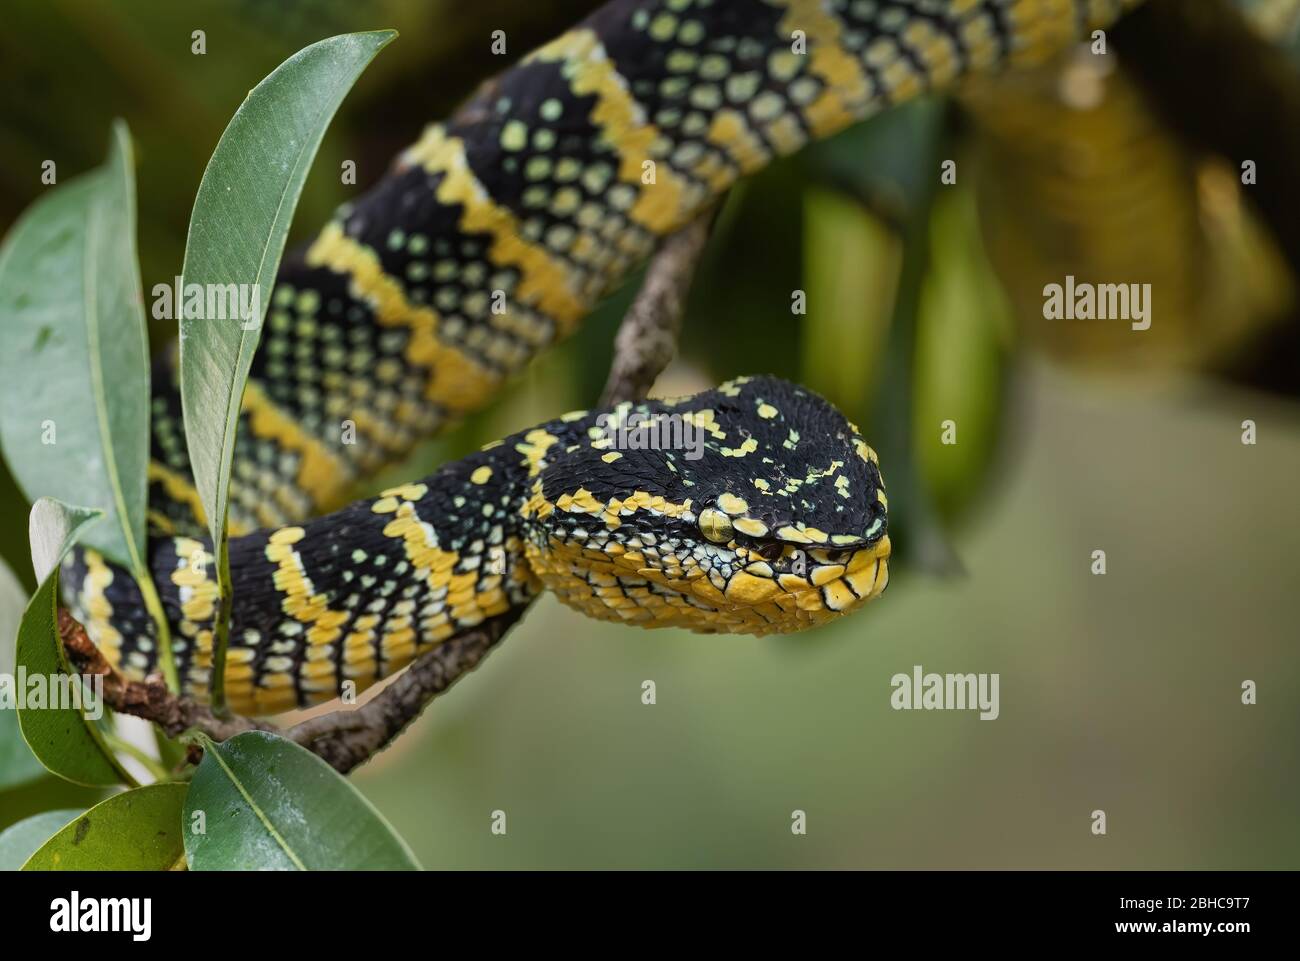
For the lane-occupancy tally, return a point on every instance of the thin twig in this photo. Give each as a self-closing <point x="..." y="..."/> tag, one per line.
<point x="345" y="738"/>
<point x="150" y="698"/>
<point x="647" y="337"/>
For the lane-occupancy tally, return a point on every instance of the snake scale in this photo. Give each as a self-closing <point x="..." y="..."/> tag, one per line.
<point x="487" y="241"/>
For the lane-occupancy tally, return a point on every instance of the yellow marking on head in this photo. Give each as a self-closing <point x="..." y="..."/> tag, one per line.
<point x="766" y="411"/>
<point x="837" y="596"/>
<point x="745" y="588"/>
<point x="751" y="526"/>
<point x="865" y="452"/>
<point x="409" y="492"/>
<point x="610" y="457"/>
<point x="825" y="574"/>
<point x="481" y="475"/>
<point x="863" y="581"/>
<point x="732" y="504"/>
<point x="748" y="447"/>
<point x="534" y="447"/>
<point x="705" y="419"/>
<point x="793" y="534"/>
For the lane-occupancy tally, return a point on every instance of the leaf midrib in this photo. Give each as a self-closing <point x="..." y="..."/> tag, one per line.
<point x="213" y="750"/>
<point x="232" y="406"/>
<point x="91" y="313"/>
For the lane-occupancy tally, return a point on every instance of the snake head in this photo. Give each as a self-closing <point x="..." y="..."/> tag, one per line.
<point x="753" y="508"/>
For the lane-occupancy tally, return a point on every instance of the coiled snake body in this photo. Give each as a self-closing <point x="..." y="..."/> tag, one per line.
<point x="489" y="240"/>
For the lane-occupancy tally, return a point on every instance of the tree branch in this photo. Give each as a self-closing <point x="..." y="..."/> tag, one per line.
<point x="647" y="337"/>
<point x="347" y="739"/>
<point x="148" y="699"/>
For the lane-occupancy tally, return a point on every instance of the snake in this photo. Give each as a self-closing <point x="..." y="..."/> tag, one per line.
<point x="486" y="242"/>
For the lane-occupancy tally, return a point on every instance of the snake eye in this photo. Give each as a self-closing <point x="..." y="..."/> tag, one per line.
<point x="715" y="525"/>
<point x="771" y="550"/>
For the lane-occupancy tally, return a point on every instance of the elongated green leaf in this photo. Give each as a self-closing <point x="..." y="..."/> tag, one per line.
<point x="60" y="734"/>
<point x="74" y="368"/>
<point x="18" y="764"/>
<point x="269" y="804"/>
<point x="136" y="830"/>
<point x="74" y="361"/>
<point x="961" y="356"/>
<point x="18" y="842"/>
<point x="237" y="232"/>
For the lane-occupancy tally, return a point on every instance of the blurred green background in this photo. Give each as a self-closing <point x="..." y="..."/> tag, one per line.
<point x="1118" y="692"/>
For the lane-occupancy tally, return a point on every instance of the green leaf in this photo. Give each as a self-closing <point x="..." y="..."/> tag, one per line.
<point x="17" y="763"/>
<point x="237" y="233"/>
<point x="851" y="264"/>
<point x="962" y="346"/>
<point x="18" y="842"/>
<point x="52" y="528"/>
<point x="138" y="830"/>
<point x="74" y="371"/>
<point x="63" y="739"/>
<point x="272" y="805"/>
